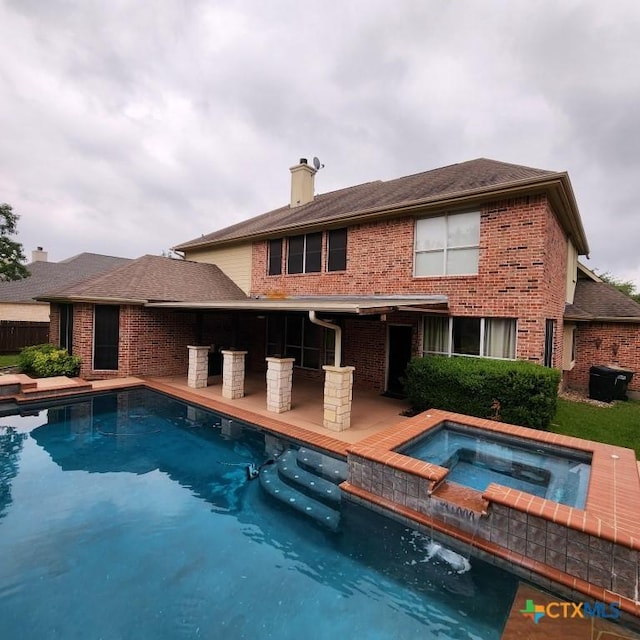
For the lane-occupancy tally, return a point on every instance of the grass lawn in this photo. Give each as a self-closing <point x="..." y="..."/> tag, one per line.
<point x="619" y="424"/>
<point x="10" y="360"/>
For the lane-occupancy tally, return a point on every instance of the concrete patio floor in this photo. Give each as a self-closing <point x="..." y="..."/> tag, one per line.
<point x="371" y="413"/>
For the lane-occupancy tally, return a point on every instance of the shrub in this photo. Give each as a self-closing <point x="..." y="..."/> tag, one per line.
<point x="518" y="392"/>
<point x="47" y="360"/>
<point x="27" y="355"/>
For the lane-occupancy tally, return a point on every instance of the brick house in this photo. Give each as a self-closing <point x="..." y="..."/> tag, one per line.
<point x="475" y="259"/>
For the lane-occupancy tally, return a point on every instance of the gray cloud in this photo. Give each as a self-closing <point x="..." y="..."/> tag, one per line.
<point x="127" y="129"/>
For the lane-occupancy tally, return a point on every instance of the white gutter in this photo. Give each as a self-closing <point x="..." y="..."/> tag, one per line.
<point x="337" y="360"/>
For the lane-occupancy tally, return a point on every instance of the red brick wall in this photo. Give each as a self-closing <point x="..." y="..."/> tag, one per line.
<point x="521" y="270"/>
<point x="152" y="341"/>
<point x="54" y="324"/>
<point x="555" y="283"/>
<point x="601" y="343"/>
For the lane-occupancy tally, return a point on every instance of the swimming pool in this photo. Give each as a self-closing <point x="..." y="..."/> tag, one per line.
<point x="477" y="458"/>
<point x="130" y="515"/>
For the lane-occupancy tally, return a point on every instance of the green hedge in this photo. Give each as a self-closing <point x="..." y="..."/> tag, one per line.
<point x="47" y="360"/>
<point x="526" y="393"/>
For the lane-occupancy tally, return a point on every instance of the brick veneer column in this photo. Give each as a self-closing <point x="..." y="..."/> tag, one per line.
<point x="338" y="394"/>
<point x="198" y="367"/>
<point x="279" y="380"/>
<point x="233" y="374"/>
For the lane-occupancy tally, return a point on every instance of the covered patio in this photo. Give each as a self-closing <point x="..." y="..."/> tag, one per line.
<point x="287" y="338"/>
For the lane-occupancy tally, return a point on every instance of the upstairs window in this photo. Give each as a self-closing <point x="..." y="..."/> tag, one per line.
<point x="466" y="336"/>
<point x="275" y="257"/>
<point x="447" y="245"/>
<point x="337" y="250"/>
<point x="304" y="253"/>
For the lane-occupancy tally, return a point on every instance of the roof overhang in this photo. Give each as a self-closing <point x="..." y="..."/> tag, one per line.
<point x="93" y="300"/>
<point x="358" y="305"/>
<point x="572" y="317"/>
<point x="556" y="186"/>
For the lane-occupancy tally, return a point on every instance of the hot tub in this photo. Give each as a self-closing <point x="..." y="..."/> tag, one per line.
<point x="475" y="458"/>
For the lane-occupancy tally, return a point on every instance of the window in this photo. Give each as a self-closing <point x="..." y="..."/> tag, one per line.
<point x="447" y="245"/>
<point x="549" y="334"/>
<point x="337" y="250"/>
<point x="465" y="336"/>
<point x="275" y="257"/>
<point x="304" y="253"/>
<point x="106" y="337"/>
<point x="297" y="337"/>
<point x="66" y="327"/>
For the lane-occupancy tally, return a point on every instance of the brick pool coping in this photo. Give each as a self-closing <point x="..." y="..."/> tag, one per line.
<point x="608" y="525"/>
<point x="612" y="510"/>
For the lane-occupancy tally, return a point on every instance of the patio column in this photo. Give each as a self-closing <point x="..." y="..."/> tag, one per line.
<point x="198" y="367"/>
<point x="338" y="394"/>
<point x="233" y="374"/>
<point x="279" y="380"/>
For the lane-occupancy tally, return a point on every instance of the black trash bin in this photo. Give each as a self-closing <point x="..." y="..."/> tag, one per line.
<point x="608" y="383"/>
<point x="623" y="378"/>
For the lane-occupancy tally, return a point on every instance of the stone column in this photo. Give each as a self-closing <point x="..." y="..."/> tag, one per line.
<point x="279" y="380"/>
<point x="338" y="394"/>
<point x="198" y="367"/>
<point x="233" y="374"/>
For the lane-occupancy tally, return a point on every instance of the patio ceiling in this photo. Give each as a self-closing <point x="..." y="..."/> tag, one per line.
<point x="359" y="305"/>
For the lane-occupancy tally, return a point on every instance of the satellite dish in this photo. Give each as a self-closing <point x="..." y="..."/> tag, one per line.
<point x="316" y="164"/>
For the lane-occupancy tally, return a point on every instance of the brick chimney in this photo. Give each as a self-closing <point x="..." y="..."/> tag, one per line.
<point x="39" y="255"/>
<point x="302" y="188"/>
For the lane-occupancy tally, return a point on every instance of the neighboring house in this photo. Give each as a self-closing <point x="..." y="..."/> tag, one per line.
<point x="477" y="259"/>
<point x="18" y="304"/>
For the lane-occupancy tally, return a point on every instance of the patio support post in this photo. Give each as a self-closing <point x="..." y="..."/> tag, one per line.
<point x="198" y="367"/>
<point x="338" y="394"/>
<point x="279" y="380"/>
<point x="233" y="374"/>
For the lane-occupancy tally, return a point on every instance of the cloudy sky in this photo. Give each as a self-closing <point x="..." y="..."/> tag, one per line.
<point x="128" y="126"/>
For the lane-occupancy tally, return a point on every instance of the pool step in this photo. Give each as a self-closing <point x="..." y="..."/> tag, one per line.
<point x="322" y="465"/>
<point x="276" y="487"/>
<point x="314" y="486"/>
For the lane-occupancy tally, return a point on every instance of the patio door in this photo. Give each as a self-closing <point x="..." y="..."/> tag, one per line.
<point x="398" y="356"/>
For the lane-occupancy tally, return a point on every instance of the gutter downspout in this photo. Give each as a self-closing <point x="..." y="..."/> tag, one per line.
<point x="334" y="327"/>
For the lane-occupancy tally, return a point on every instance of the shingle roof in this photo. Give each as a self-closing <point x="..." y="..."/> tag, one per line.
<point x="155" y="279"/>
<point x="599" y="300"/>
<point x="55" y="275"/>
<point x="465" y="178"/>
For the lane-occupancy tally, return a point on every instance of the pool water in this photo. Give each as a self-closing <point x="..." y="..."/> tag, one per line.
<point x="130" y="515"/>
<point x="476" y="458"/>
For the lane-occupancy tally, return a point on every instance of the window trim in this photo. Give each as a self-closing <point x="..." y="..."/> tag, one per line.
<point x="450" y="353"/>
<point x="445" y="250"/>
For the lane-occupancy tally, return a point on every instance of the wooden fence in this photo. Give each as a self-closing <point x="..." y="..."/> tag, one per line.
<point x="14" y="336"/>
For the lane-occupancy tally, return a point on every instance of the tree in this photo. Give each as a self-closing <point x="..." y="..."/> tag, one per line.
<point x="11" y="252"/>
<point x="628" y="287"/>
